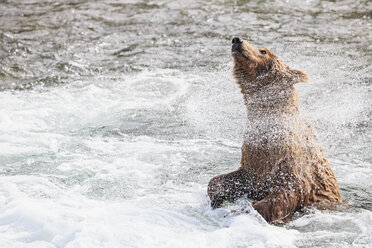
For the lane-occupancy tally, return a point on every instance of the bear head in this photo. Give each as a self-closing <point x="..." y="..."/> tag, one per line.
<point x="256" y="68"/>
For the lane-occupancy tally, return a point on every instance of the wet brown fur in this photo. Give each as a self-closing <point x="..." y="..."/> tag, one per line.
<point x="283" y="168"/>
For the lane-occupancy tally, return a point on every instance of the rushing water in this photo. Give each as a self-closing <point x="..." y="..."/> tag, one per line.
<point x="114" y="115"/>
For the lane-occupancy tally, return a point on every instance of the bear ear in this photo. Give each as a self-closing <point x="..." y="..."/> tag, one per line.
<point x="298" y="76"/>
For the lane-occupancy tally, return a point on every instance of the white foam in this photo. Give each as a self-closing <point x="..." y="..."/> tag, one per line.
<point x="67" y="219"/>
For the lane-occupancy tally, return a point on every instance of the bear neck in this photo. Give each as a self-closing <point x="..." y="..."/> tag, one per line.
<point x="270" y="98"/>
<point x="272" y="115"/>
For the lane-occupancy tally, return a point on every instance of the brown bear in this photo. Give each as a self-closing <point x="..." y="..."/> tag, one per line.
<point x="283" y="168"/>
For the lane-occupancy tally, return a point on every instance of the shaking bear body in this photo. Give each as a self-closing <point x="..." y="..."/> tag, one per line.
<point x="283" y="168"/>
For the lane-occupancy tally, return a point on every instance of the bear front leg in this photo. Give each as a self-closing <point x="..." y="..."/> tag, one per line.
<point x="278" y="206"/>
<point x="229" y="187"/>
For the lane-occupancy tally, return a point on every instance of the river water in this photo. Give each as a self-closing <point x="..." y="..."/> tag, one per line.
<point x="114" y="115"/>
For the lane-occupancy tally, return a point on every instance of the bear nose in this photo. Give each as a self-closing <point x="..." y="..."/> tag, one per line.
<point x="237" y="40"/>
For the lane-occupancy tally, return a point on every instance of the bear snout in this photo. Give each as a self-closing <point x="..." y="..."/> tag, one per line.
<point x="237" y="40"/>
<point x="236" y="44"/>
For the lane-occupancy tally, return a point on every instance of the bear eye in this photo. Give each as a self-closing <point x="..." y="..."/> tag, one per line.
<point x="263" y="51"/>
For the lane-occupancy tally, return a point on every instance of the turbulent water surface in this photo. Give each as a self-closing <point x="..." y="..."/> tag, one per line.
<point x="114" y="115"/>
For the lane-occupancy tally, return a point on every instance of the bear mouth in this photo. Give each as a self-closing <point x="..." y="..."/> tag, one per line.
<point x="236" y="51"/>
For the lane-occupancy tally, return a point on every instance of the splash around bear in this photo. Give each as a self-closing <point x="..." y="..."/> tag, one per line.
<point x="283" y="168"/>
